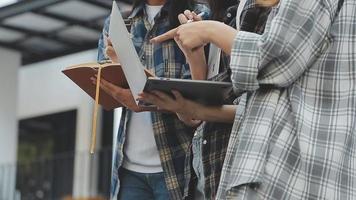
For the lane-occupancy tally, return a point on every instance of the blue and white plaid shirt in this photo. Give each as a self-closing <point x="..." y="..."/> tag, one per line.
<point x="295" y="138"/>
<point x="172" y="137"/>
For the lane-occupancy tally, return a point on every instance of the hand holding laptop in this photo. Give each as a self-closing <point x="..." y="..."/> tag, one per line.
<point x="184" y="108"/>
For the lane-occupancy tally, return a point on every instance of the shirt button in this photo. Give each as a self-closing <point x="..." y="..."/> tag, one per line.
<point x="143" y="57"/>
<point x="205" y="142"/>
<point x="229" y="15"/>
<point x="325" y="46"/>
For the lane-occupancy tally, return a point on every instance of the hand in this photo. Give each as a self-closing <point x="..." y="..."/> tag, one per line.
<point x="184" y="18"/>
<point x="123" y="96"/>
<point x="194" y="35"/>
<point x="190" y="36"/>
<point x="196" y="59"/>
<point x="185" y="109"/>
<point x="110" y="51"/>
<point x="188" y="16"/>
<point x="188" y="121"/>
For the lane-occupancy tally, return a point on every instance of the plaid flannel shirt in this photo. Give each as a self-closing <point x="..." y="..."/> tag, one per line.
<point x="216" y="135"/>
<point x="164" y="60"/>
<point x="295" y="138"/>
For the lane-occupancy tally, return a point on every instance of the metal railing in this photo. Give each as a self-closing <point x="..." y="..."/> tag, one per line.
<point x="75" y="175"/>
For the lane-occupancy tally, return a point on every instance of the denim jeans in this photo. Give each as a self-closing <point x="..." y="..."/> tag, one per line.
<point x="142" y="186"/>
<point x="197" y="143"/>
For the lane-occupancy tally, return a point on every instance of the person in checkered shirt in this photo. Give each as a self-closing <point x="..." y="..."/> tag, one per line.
<point x="294" y="131"/>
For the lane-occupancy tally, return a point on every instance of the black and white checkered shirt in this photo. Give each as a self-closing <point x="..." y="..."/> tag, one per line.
<point x="295" y="138"/>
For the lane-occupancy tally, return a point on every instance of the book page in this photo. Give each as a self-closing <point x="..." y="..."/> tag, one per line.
<point x="122" y="43"/>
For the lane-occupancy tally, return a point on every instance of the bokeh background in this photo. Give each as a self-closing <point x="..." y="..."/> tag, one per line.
<point x="45" y="120"/>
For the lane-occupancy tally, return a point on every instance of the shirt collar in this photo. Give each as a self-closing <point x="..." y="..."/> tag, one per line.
<point x="140" y="9"/>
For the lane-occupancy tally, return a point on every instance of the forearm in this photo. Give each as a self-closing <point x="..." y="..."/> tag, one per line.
<point x="223" y="114"/>
<point x="197" y="64"/>
<point x="221" y="35"/>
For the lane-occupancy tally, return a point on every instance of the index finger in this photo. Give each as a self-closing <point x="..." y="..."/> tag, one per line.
<point x="164" y="37"/>
<point x="182" y="19"/>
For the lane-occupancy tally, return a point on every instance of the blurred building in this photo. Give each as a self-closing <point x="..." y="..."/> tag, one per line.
<point x="45" y="120"/>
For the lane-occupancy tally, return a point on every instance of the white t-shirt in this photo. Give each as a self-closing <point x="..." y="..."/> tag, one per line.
<point x="140" y="150"/>
<point x="152" y="12"/>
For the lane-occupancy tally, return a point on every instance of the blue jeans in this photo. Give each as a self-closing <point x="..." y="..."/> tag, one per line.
<point x="197" y="149"/>
<point x="142" y="186"/>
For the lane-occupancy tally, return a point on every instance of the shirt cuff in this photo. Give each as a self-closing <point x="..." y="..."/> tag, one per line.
<point x="245" y="59"/>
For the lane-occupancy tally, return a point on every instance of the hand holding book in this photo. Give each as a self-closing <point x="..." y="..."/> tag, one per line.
<point x="122" y="95"/>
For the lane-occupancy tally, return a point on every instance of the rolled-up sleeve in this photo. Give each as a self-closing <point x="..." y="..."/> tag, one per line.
<point x="293" y="40"/>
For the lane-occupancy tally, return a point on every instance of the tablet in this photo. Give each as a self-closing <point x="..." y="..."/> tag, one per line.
<point x="202" y="91"/>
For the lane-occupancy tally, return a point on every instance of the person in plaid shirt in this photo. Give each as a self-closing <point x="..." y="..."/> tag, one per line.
<point x="294" y="134"/>
<point x="211" y="139"/>
<point x="151" y="147"/>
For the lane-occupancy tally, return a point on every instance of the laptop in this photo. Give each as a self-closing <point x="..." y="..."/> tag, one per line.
<point x="204" y="92"/>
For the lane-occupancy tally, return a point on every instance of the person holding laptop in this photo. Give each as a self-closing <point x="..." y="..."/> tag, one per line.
<point x="295" y="138"/>
<point x="151" y="147"/>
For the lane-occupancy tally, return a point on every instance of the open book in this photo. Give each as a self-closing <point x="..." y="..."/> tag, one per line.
<point x="111" y="72"/>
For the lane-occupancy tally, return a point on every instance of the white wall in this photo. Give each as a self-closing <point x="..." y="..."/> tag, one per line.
<point x="9" y="65"/>
<point x="44" y="89"/>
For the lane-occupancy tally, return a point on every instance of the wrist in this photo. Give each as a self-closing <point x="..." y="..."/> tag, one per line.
<point x="197" y="111"/>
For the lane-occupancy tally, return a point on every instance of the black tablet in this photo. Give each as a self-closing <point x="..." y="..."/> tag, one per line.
<point x="202" y="91"/>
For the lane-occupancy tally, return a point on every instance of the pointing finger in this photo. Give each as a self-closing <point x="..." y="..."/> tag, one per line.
<point x="167" y="36"/>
